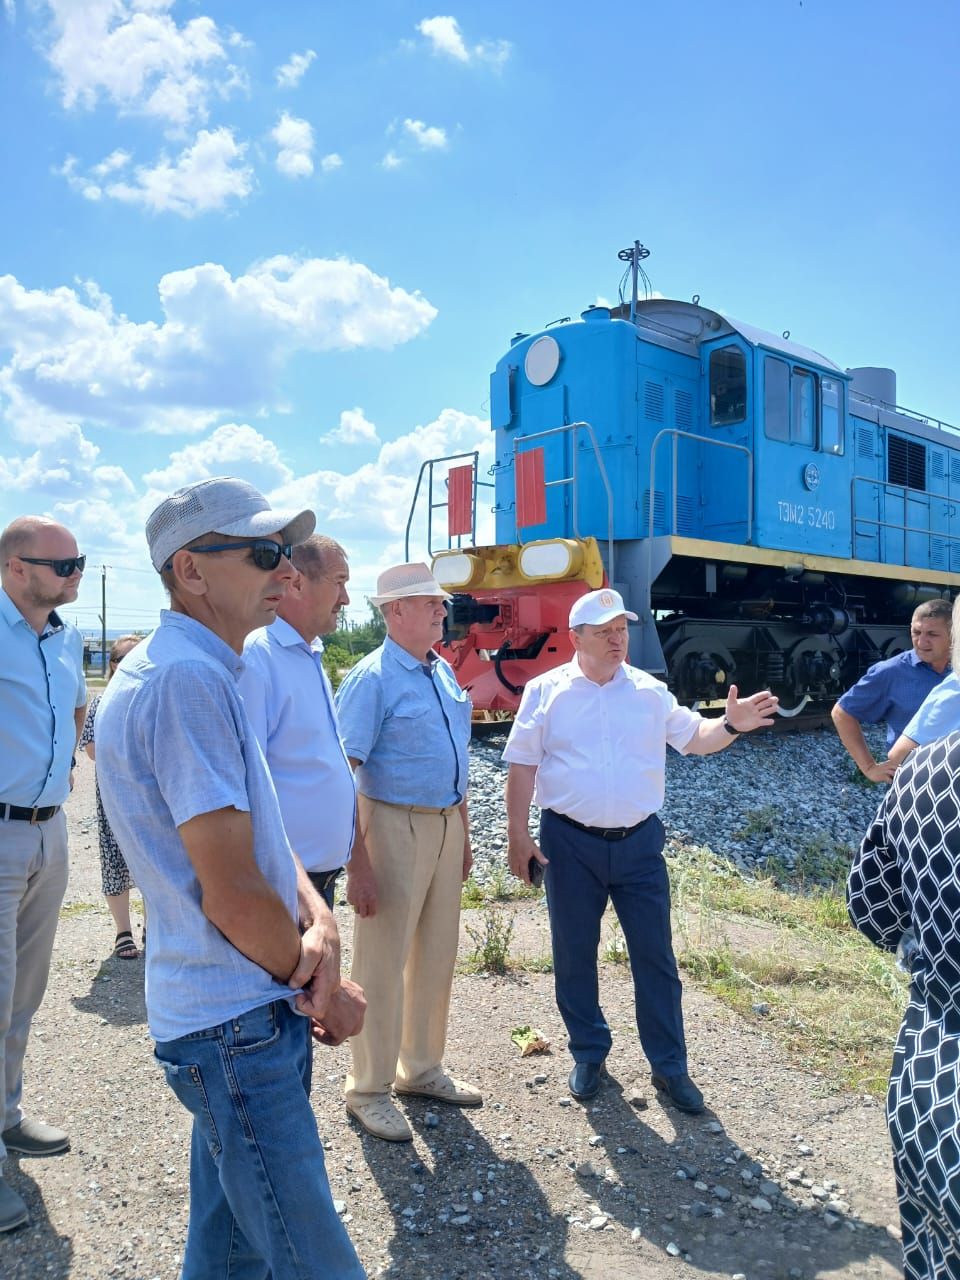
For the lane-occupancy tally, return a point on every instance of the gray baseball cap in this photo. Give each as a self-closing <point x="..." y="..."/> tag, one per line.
<point x="221" y="505"/>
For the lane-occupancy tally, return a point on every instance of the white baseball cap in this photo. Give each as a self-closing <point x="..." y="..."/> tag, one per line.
<point x="221" y="505"/>
<point x="403" y="581"/>
<point x="598" y="607"/>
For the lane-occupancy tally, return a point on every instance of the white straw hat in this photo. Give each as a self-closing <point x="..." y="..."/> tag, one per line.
<point x="402" y="581"/>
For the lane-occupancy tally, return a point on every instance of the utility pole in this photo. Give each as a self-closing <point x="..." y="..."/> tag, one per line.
<point x="103" y="620"/>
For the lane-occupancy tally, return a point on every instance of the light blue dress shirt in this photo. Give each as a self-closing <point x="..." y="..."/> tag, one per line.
<point x="408" y="722"/>
<point x="290" y="704"/>
<point x="939" y="714"/>
<point x="41" y="686"/>
<point x="173" y="742"/>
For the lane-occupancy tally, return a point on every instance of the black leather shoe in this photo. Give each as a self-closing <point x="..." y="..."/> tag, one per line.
<point x="680" y="1091"/>
<point x="584" y="1080"/>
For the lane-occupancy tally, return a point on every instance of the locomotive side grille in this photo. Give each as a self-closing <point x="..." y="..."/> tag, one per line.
<point x="864" y="442"/>
<point x="938" y="553"/>
<point x="659" y="512"/>
<point x="653" y="401"/>
<point x="955" y="470"/>
<point x="686" y="516"/>
<point x="937" y="464"/>
<point x="683" y="408"/>
<point x="906" y="463"/>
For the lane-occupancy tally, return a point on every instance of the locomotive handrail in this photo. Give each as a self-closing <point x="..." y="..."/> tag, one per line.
<point x="572" y="480"/>
<point x="687" y="435"/>
<point x="435" y="506"/>
<point x="892" y="524"/>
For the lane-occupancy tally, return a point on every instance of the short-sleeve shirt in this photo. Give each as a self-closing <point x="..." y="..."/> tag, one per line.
<point x="891" y="690"/>
<point x="41" y="687"/>
<point x="408" y="723"/>
<point x="290" y="705"/>
<point x="174" y="742"/>
<point x="938" y="715"/>
<point x="600" y="749"/>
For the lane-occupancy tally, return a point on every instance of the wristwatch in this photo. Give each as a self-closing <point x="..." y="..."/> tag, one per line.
<point x="734" y="733"/>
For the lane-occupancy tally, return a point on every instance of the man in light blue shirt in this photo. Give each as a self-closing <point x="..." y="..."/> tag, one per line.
<point x="406" y="726"/>
<point x="290" y="704"/>
<point x="42" y="700"/>
<point x="893" y="689"/>
<point x="232" y="988"/>
<point x="939" y="714"/>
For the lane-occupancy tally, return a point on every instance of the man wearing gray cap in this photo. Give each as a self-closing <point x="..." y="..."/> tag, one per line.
<point x="233" y="988"/>
<point x="589" y="744"/>
<point x="405" y="725"/>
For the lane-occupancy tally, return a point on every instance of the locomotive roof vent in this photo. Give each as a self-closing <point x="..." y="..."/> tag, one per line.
<point x="595" y="314"/>
<point x="879" y="385"/>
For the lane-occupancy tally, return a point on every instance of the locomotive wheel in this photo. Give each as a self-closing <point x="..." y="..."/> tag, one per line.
<point x="790" y="712"/>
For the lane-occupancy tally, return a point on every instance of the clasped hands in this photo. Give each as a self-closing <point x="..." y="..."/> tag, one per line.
<point x="335" y="1005"/>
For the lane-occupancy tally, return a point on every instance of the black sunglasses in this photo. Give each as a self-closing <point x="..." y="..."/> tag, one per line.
<point x="64" y="568"/>
<point x="264" y="553"/>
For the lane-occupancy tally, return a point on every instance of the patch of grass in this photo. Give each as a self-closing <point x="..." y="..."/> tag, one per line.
<point x="759" y="822"/>
<point x="833" y="1000"/>
<point x="543" y="963"/>
<point x="491" y="942"/>
<point x="502" y="886"/>
<point x="71" y="909"/>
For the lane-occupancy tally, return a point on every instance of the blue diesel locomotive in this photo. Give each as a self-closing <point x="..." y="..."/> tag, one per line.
<point x="772" y="518"/>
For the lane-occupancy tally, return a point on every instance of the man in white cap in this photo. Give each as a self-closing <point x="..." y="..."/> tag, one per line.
<point x="243" y="961"/>
<point x="406" y="728"/>
<point x="589" y="745"/>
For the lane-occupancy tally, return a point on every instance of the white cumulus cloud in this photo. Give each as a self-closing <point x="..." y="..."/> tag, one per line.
<point x="445" y="39"/>
<point x="427" y="137"/>
<point x="134" y="55"/>
<point x="204" y="177"/>
<point x="294" y="139"/>
<point x="67" y="357"/>
<point x="292" y="72"/>
<point x="354" y="428"/>
<point x="331" y="162"/>
<point x="391" y="161"/>
<point x="234" y="449"/>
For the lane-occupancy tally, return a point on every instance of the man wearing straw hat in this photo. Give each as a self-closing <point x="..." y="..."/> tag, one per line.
<point x="405" y="725"/>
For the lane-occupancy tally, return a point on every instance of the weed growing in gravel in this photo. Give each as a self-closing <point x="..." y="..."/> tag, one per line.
<point x="616" y="949"/>
<point x="491" y="943"/>
<point x="792" y="958"/>
<point x="70" y="909"/>
<point x="501" y="887"/>
<point x="471" y="895"/>
<point x="759" y="822"/>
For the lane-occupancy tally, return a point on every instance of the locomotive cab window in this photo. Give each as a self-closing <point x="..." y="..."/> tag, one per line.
<point x="831" y="416"/>
<point x="776" y="399"/>
<point x="728" y="386"/>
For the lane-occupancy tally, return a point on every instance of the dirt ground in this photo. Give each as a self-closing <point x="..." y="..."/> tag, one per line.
<point x="785" y="1177"/>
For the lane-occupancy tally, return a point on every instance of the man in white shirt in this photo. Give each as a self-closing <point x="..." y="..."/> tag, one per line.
<point x="288" y="698"/>
<point x="589" y="745"/>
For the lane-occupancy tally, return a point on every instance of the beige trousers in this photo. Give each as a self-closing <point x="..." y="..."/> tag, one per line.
<point x="404" y="956"/>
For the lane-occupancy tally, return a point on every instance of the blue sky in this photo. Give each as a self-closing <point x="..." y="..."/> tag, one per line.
<point x="291" y="241"/>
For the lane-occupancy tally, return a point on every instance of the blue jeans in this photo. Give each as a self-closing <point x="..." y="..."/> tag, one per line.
<point x="260" y="1203"/>
<point x="586" y="872"/>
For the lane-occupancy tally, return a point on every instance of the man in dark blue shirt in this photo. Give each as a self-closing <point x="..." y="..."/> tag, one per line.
<point x="894" y="689"/>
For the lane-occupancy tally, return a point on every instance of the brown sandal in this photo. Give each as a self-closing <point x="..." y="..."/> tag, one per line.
<point x="125" y="948"/>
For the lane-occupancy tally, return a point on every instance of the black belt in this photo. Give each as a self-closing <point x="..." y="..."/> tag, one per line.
<point x="14" y="813"/>
<point x="604" y="833"/>
<point x="321" y="880"/>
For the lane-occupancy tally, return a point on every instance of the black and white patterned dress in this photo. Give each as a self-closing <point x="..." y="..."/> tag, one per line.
<point x="907" y="875"/>
<point x="113" y="868"/>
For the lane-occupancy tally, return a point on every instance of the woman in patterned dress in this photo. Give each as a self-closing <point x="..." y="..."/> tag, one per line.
<point x="113" y="868"/>
<point x="907" y="876"/>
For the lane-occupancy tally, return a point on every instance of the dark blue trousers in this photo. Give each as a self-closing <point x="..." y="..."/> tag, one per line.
<point x="586" y="872"/>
